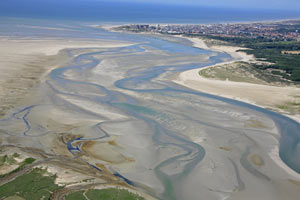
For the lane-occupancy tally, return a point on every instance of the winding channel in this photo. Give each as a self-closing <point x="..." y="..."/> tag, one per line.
<point x="159" y="116"/>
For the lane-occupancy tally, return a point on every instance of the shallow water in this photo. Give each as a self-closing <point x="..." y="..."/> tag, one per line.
<point x="133" y="99"/>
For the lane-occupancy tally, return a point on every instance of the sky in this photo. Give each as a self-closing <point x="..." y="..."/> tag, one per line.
<point x="258" y="4"/>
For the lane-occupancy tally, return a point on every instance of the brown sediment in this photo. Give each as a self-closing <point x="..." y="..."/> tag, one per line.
<point x="59" y="145"/>
<point x="105" y="152"/>
<point x="255" y="124"/>
<point x="65" y="137"/>
<point x="256" y="160"/>
<point x="109" y="176"/>
<point x="102" y="167"/>
<point x="226" y="148"/>
<point x="113" y="142"/>
<point x="88" y="144"/>
<point x="60" y="127"/>
<point x="130" y="159"/>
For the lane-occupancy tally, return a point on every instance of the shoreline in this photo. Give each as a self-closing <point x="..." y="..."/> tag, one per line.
<point x="190" y="77"/>
<point x="93" y="125"/>
<point x="110" y="25"/>
<point x="184" y="77"/>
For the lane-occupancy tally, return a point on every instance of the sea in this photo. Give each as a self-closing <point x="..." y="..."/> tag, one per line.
<point x="121" y="12"/>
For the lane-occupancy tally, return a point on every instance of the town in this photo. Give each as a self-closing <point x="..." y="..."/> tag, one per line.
<point x="283" y="31"/>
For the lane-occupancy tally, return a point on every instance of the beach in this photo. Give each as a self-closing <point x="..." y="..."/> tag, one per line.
<point x="103" y="113"/>
<point x="256" y="94"/>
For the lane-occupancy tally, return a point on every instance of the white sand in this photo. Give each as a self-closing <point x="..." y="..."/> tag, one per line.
<point x="23" y="63"/>
<point x="51" y="46"/>
<point x="255" y="94"/>
<point x="248" y="92"/>
<point x="240" y="56"/>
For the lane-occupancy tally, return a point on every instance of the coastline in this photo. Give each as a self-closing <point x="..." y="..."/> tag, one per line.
<point x="193" y="80"/>
<point x="187" y="78"/>
<point x="256" y="93"/>
<point x="86" y="136"/>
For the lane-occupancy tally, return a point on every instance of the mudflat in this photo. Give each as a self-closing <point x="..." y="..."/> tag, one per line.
<point x="108" y="116"/>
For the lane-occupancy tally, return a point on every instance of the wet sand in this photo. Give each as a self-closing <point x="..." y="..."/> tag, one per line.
<point x="255" y="94"/>
<point x="25" y="62"/>
<point x="115" y="109"/>
<point x="250" y="93"/>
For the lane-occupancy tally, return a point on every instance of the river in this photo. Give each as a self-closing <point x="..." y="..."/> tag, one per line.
<point x="185" y="144"/>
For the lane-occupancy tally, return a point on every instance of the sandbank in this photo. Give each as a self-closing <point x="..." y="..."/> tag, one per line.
<point x="247" y="92"/>
<point x="255" y="94"/>
<point x="24" y="61"/>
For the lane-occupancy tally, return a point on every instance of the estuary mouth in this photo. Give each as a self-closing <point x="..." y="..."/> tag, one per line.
<point x="124" y="114"/>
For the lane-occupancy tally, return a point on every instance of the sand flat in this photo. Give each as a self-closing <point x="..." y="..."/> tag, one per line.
<point x="23" y="62"/>
<point x="248" y="92"/>
<point x="164" y="139"/>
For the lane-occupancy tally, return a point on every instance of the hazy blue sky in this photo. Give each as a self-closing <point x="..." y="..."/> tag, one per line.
<point x="274" y="4"/>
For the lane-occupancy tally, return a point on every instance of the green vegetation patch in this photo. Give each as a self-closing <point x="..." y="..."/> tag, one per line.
<point x="270" y="50"/>
<point x="242" y="72"/>
<point x="16" y="155"/>
<point x="7" y="160"/>
<point x="291" y="107"/>
<point x="14" y="198"/>
<point x="104" y="194"/>
<point x="10" y="160"/>
<point x="76" y="196"/>
<point x="112" y="193"/>
<point x="289" y="63"/>
<point x="33" y="186"/>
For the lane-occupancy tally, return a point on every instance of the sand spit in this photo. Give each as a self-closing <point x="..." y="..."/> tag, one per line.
<point x="247" y="92"/>
<point x="231" y="50"/>
<point x="105" y="117"/>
